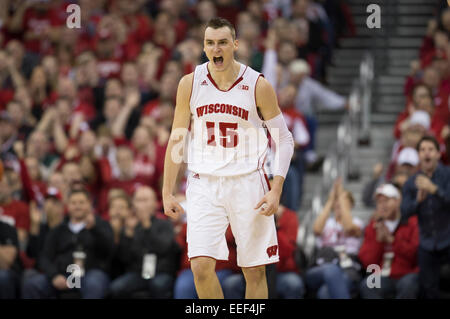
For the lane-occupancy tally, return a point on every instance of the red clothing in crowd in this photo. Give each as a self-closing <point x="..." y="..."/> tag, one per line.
<point x="38" y="22"/>
<point x="436" y="125"/>
<point x="296" y="124"/>
<point x="287" y="229"/>
<point x="82" y="103"/>
<point x="151" y="108"/>
<point x="6" y="95"/>
<point x="139" y="31"/>
<point x="32" y="190"/>
<point x="108" y="182"/>
<point x="404" y="247"/>
<point x="19" y="211"/>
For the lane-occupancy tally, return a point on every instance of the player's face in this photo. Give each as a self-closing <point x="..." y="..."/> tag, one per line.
<point x="219" y="47"/>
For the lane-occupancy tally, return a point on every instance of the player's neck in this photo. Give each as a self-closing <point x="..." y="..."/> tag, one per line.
<point x="226" y="77"/>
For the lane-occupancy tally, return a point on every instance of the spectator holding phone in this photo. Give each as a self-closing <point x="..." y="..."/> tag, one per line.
<point x="427" y="195"/>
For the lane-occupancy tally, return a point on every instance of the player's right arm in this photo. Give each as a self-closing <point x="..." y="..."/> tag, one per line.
<point x="180" y="127"/>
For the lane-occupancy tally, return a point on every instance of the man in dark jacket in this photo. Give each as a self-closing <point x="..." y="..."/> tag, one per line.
<point x="83" y="243"/>
<point x="41" y="222"/>
<point x="391" y="243"/>
<point x="148" y="250"/>
<point x="9" y="261"/>
<point x="427" y="194"/>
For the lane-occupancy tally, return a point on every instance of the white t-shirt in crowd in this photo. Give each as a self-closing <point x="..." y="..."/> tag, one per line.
<point x="333" y="235"/>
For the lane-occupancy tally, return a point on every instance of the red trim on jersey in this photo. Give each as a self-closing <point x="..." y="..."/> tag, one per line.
<point x="261" y="180"/>
<point x="264" y="172"/>
<point x="267" y="179"/>
<point x="234" y="84"/>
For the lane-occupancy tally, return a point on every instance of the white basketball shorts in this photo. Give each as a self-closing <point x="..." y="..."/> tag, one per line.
<point x="214" y="202"/>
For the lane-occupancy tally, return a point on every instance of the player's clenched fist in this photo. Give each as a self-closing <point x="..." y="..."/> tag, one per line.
<point x="268" y="205"/>
<point x="171" y="207"/>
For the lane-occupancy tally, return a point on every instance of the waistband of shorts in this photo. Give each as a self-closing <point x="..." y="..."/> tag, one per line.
<point x="203" y="175"/>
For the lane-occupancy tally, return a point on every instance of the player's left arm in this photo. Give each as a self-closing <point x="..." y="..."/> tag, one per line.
<point x="267" y="102"/>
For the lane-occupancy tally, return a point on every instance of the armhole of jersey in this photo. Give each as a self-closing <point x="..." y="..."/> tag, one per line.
<point x="192" y="87"/>
<point x="254" y="97"/>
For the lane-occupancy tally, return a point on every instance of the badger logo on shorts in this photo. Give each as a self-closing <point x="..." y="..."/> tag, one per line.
<point x="272" y="251"/>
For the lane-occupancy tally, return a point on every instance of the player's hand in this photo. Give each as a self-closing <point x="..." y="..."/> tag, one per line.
<point x="172" y="208"/>
<point x="268" y="205"/>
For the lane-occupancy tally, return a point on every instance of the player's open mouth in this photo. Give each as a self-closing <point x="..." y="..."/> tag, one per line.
<point x="218" y="60"/>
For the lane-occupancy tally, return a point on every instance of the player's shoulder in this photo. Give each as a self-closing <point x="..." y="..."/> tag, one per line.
<point x="186" y="80"/>
<point x="185" y="84"/>
<point x="263" y="86"/>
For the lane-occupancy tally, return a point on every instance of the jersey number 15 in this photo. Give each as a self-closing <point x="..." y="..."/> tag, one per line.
<point x="228" y="134"/>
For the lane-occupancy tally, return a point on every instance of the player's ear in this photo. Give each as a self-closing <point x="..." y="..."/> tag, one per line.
<point x="236" y="44"/>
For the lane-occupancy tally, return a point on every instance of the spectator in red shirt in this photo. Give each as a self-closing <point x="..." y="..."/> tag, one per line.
<point x="67" y="88"/>
<point x="15" y="209"/>
<point x="39" y="23"/>
<point x="420" y="92"/>
<point x="33" y="186"/>
<point x="440" y="42"/>
<point x="119" y="173"/>
<point x="439" y="87"/>
<point x="392" y="244"/>
<point x="108" y="53"/>
<point x="149" y="155"/>
<point x="138" y="25"/>
<point x="422" y="101"/>
<point x="289" y="283"/>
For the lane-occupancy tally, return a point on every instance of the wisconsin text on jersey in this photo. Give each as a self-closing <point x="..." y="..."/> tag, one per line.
<point x="222" y="108"/>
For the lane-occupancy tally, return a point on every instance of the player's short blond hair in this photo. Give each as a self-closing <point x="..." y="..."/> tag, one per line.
<point x="217" y="23"/>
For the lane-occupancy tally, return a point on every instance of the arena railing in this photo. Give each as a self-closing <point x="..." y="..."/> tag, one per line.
<point x="353" y="128"/>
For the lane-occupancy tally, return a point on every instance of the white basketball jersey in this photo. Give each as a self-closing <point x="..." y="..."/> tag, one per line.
<point x="227" y="136"/>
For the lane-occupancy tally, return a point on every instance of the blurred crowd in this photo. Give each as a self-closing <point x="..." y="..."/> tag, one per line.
<point x="85" y="116"/>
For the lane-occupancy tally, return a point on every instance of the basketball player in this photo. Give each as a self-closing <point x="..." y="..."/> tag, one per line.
<point x="226" y="154"/>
